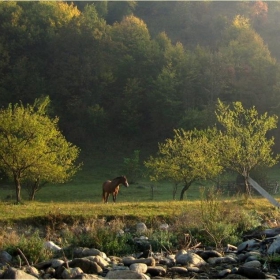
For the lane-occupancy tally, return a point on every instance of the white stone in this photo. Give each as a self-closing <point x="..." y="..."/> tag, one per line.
<point x="52" y="246"/>
<point x="139" y="267"/>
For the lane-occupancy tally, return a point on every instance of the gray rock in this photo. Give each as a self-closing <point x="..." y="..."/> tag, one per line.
<point x="179" y="269"/>
<point x="99" y="260"/>
<point x="147" y="261"/>
<point x="274" y="247"/>
<point x="85" y="252"/>
<point x="85" y="276"/>
<point x="56" y="263"/>
<point x="248" y="245"/>
<point x="224" y="272"/>
<point x="156" y="271"/>
<point x="209" y="254"/>
<point x="235" y="276"/>
<point x="5" y="257"/>
<point x="253" y="264"/>
<point x="220" y="260"/>
<point x="190" y="259"/>
<point x="13" y="273"/>
<point x="139" y="267"/>
<point x="125" y="274"/>
<point x="86" y="265"/>
<point x="252" y="273"/>
<point x="69" y="273"/>
<point x="141" y="228"/>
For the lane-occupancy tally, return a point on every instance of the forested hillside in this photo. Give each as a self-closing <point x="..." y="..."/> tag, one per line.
<point x="130" y="72"/>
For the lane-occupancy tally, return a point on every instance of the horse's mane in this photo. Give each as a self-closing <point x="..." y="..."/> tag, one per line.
<point x="119" y="177"/>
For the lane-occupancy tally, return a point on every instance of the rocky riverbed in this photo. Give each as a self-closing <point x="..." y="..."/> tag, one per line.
<point x="255" y="258"/>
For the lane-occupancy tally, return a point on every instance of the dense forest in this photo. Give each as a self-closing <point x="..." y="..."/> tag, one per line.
<point x="131" y="72"/>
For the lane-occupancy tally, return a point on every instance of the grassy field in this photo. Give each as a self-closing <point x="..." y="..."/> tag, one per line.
<point x="144" y="211"/>
<point x="82" y="196"/>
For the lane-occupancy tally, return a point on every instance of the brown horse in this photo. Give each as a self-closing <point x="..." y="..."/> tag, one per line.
<point x="112" y="187"/>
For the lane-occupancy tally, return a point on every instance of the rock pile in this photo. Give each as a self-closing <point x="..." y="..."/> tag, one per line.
<point x="252" y="259"/>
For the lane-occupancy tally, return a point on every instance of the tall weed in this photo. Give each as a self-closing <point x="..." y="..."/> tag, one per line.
<point x="215" y="218"/>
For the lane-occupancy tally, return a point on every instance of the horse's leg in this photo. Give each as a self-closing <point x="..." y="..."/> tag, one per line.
<point x="115" y="195"/>
<point x="103" y="196"/>
<point x="106" y="197"/>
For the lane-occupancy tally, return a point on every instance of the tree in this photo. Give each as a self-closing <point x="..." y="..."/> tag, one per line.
<point x="27" y="30"/>
<point x="244" y="144"/>
<point x="250" y="68"/>
<point x="188" y="157"/>
<point x="32" y="147"/>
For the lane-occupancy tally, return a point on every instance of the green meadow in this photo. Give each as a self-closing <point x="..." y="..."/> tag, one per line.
<point x="143" y="199"/>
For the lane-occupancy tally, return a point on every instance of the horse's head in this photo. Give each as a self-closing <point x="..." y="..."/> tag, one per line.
<point x="124" y="181"/>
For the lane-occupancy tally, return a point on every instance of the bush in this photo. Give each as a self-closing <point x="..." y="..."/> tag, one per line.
<point x="216" y="221"/>
<point x="32" y="247"/>
<point x="105" y="236"/>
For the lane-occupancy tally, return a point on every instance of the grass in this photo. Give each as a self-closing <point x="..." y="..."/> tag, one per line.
<point x="145" y="210"/>
<point x="83" y="196"/>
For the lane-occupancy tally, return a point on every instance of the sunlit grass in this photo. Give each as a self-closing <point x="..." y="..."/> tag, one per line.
<point x="83" y="197"/>
<point x="137" y="210"/>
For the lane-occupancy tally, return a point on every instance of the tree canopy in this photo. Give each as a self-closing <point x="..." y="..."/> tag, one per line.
<point x="32" y="147"/>
<point x="244" y="142"/>
<point x="139" y="69"/>
<point x="188" y="157"/>
<point x="241" y="145"/>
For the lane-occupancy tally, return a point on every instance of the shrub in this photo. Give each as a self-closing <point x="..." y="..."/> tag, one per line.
<point x="106" y="236"/>
<point x="32" y="247"/>
<point x="215" y="219"/>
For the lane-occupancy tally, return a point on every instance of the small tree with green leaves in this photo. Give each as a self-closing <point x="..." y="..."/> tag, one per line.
<point x="188" y="157"/>
<point x="32" y="147"/>
<point x="244" y="143"/>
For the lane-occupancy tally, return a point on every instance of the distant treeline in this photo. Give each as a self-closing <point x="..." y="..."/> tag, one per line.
<point x="134" y="71"/>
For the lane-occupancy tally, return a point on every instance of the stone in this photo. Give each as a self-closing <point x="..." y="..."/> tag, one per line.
<point x="190" y="259"/>
<point x="209" y="254"/>
<point x="224" y="272"/>
<point x="125" y="274"/>
<point x="99" y="260"/>
<point x="69" y="273"/>
<point x="274" y="247"/>
<point x="5" y="257"/>
<point x="56" y="263"/>
<point x="86" y="265"/>
<point x="141" y="228"/>
<point x="179" y="269"/>
<point x="139" y="267"/>
<point x="219" y="260"/>
<point x="252" y="273"/>
<point x="248" y="245"/>
<point x="156" y="271"/>
<point x="13" y="273"/>
<point x="147" y="261"/>
<point x="85" y="252"/>
<point x="44" y="264"/>
<point x="51" y="246"/>
<point x="85" y="276"/>
<point x="253" y="264"/>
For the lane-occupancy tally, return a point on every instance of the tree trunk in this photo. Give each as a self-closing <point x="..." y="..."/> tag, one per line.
<point x="18" y="187"/>
<point x="33" y="190"/>
<point x="248" y="188"/>
<point x="175" y="187"/>
<point x="185" y="188"/>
